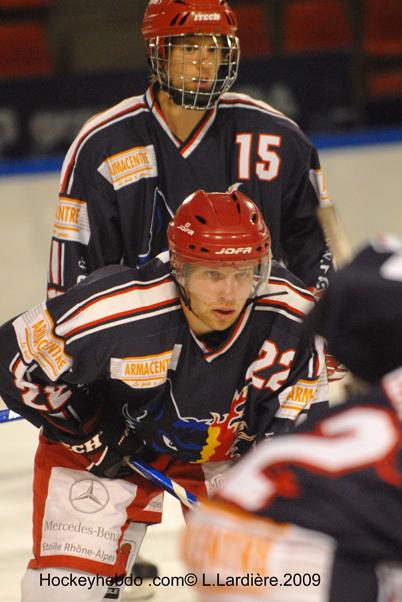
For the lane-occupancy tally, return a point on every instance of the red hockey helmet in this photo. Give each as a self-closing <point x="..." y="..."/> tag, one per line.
<point x="220" y="229"/>
<point x="164" y="25"/>
<point x="188" y="17"/>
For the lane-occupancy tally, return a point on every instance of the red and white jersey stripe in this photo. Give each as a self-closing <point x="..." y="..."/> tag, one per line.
<point x="286" y="298"/>
<point x="244" y="101"/>
<point x="118" y="305"/>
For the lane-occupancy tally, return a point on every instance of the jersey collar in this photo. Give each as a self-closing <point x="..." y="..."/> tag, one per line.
<point x="187" y="146"/>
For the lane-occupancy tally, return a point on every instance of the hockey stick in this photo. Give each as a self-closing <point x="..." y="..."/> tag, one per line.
<point x="332" y="227"/>
<point x="159" y="479"/>
<point x="9" y="416"/>
<point x="164" y="482"/>
<point x="334" y="234"/>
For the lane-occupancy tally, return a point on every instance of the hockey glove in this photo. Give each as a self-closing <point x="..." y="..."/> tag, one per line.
<point x="106" y="446"/>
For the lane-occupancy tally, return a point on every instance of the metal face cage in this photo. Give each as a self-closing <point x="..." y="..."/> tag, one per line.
<point x="195" y="69"/>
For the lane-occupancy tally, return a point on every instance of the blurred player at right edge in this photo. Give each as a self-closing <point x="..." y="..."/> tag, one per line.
<point x="317" y="514"/>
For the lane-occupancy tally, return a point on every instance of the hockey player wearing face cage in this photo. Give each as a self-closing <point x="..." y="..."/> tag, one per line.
<point x="131" y="166"/>
<point x="320" y="508"/>
<point x="185" y="362"/>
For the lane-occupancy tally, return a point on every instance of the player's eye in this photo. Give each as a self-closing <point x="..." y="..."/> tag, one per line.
<point x="168" y="442"/>
<point x="213" y="275"/>
<point x="244" y="276"/>
<point x="191" y="49"/>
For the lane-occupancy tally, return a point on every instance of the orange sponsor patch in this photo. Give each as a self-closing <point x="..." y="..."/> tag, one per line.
<point x="71" y="221"/>
<point x="37" y="342"/>
<point x="141" y="372"/>
<point x="130" y="166"/>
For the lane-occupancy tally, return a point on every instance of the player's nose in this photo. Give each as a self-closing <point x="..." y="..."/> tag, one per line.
<point x="227" y="288"/>
<point x="207" y="60"/>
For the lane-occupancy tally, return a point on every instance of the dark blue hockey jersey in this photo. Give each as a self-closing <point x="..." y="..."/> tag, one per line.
<point x="120" y="337"/>
<point x="126" y="173"/>
<point x="340" y="475"/>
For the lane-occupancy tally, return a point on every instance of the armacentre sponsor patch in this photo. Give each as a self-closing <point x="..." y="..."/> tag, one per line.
<point x="297" y="398"/>
<point x="71" y="221"/>
<point x="34" y="331"/>
<point x="141" y="372"/>
<point x="130" y="166"/>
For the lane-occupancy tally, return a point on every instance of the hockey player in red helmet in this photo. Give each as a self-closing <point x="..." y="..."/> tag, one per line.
<point x="220" y="254"/>
<point x="185" y="363"/>
<point x="192" y="49"/>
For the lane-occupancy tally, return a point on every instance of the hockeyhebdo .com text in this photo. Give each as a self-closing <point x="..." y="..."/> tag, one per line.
<point x="253" y="580"/>
<point x="91" y="581"/>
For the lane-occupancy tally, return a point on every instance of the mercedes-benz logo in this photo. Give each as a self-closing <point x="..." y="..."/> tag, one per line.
<point x="88" y="496"/>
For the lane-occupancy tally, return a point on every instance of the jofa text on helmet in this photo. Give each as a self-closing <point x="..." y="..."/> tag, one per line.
<point x="186" y="228"/>
<point x="233" y="251"/>
<point x="207" y="17"/>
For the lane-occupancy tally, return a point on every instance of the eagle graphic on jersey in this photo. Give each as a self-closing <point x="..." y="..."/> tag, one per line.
<point x="197" y="440"/>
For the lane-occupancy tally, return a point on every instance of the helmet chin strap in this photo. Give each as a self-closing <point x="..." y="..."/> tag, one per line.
<point x="186" y="99"/>
<point x="182" y="292"/>
<point x="185" y="297"/>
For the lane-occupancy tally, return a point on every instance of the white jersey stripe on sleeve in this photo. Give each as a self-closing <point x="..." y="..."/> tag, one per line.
<point x="286" y="296"/>
<point x="109" y="292"/>
<point x="276" y="310"/>
<point x="233" y="99"/>
<point x="117" y="306"/>
<point x="120" y="322"/>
